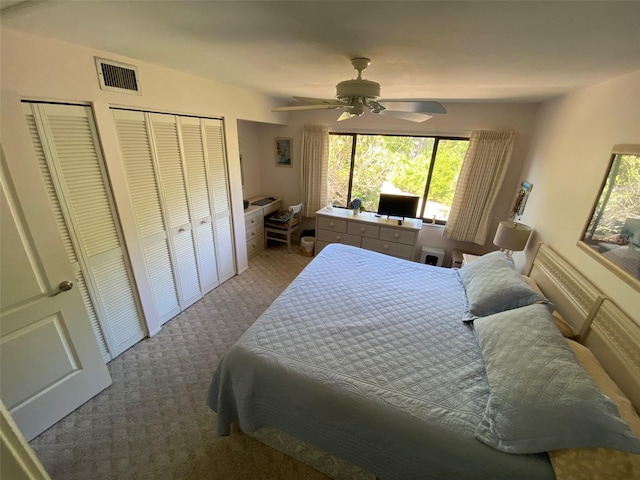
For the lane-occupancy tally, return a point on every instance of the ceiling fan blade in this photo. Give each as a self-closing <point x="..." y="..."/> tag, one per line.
<point x="317" y="101"/>
<point x="304" y="107"/>
<point x="345" y="116"/>
<point x="418" y="106"/>
<point x="411" y="116"/>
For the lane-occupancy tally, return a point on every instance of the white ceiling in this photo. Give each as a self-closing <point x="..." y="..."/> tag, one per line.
<point x="478" y="51"/>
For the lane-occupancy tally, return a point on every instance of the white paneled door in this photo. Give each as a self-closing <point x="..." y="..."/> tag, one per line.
<point x="49" y="357"/>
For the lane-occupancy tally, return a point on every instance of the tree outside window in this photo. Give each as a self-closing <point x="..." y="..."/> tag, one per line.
<point x="366" y="165"/>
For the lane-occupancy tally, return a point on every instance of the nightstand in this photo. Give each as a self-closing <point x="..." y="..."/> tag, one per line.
<point x="467" y="258"/>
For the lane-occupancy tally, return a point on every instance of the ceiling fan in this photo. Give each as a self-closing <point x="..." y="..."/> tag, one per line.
<point x="356" y="96"/>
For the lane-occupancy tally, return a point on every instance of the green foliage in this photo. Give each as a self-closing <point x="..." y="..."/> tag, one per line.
<point x="399" y="164"/>
<point x="619" y="197"/>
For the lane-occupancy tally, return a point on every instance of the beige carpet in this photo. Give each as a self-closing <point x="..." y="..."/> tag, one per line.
<point x="153" y="422"/>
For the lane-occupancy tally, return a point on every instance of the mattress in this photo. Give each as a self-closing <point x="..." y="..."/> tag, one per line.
<point x="365" y="356"/>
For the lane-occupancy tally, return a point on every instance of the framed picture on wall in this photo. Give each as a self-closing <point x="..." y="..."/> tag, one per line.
<point x="283" y="152"/>
<point x="521" y="199"/>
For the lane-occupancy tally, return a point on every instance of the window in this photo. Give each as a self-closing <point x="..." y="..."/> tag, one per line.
<point x="364" y="166"/>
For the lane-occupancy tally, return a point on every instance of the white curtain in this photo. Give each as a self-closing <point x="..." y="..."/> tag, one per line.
<point x="479" y="183"/>
<point x="315" y="164"/>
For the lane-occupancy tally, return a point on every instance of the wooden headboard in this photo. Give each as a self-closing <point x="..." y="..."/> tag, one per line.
<point x="612" y="336"/>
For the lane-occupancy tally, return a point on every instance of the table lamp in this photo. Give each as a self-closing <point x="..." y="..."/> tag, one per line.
<point x="511" y="236"/>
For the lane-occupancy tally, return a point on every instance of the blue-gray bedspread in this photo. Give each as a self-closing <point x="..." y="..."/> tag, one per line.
<point x="365" y="356"/>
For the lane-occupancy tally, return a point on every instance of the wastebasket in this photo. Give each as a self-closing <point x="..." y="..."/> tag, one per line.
<point x="306" y="246"/>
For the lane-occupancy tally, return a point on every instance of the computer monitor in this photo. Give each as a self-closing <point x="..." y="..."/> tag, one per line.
<point x="398" y="205"/>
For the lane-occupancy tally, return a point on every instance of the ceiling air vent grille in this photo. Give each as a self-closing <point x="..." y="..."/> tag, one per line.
<point x="118" y="77"/>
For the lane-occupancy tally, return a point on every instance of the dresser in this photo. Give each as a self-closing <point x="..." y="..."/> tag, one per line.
<point x="366" y="230"/>
<point x="254" y="222"/>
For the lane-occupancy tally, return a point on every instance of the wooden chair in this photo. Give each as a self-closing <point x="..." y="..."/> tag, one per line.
<point x="280" y="226"/>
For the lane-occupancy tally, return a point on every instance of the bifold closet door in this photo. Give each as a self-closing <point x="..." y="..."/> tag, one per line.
<point x="70" y="159"/>
<point x="199" y="200"/>
<point x="219" y="187"/>
<point x="140" y="170"/>
<point x="173" y="188"/>
<point x="176" y="169"/>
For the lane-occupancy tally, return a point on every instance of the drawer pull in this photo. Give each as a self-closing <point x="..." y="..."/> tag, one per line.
<point x="332" y="224"/>
<point x="203" y="222"/>
<point x="362" y="230"/>
<point x="338" y="237"/>
<point x="253" y="234"/>
<point x="386" y="247"/>
<point x="396" y="235"/>
<point x="180" y="230"/>
<point x="253" y="220"/>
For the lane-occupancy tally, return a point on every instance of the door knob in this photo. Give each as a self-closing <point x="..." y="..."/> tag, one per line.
<point x="64" y="286"/>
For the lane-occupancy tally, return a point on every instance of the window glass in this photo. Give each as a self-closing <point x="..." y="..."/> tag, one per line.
<point x="446" y="169"/>
<point x="339" y="169"/>
<point x="395" y="164"/>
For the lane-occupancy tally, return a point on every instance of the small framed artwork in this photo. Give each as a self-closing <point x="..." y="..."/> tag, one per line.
<point x="521" y="199"/>
<point x="283" y="152"/>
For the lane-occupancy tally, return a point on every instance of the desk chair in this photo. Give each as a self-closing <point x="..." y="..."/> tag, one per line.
<point x="280" y="226"/>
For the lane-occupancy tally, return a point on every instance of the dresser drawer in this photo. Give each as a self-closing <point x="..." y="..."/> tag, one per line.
<point x="397" y="235"/>
<point x="338" y="237"/>
<point x="362" y="229"/>
<point x="390" y="248"/>
<point x="255" y="244"/>
<point x="274" y="207"/>
<point x="255" y="231"/>
<point x="332" y="224"/>
<point x="254" y="218"/>
<point x="320" y="246"/>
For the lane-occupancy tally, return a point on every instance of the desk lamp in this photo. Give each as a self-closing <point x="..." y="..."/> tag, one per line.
<point x="511" y="237"/>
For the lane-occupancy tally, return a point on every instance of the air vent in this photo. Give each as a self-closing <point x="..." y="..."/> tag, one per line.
<point x="118" y="77"/>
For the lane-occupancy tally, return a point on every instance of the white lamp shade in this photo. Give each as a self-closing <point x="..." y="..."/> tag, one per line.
<point x="512" y="235"/>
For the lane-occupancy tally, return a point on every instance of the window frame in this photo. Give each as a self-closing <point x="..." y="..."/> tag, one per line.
<point x="432" y="162"/>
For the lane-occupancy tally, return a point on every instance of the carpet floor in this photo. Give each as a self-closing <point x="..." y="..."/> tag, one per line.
<point x="153" y="422"/>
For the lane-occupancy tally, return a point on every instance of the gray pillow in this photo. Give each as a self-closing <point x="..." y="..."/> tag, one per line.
<point x="493" y="285"/>
<point x="540" y="397"/>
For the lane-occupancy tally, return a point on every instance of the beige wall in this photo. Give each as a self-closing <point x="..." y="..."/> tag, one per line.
<point x="39" y="68"/>
<point x="250" y="141"/>
<point x="568" y="159"/>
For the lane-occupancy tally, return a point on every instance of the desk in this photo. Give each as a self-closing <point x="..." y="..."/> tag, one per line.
<point x="254" y="222"/>
<point x="366" y="230"/>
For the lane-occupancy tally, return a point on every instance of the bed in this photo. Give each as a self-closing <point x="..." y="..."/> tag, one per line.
<point x="365" y="367"/>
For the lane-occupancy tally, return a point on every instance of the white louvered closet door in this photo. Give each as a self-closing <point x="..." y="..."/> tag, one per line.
<point x="219" y="187"/>
<point x="135" y="146"/>
<point x="196" y="168"/>
<point x="67" y="148"/>
<point x="176" y="205"/>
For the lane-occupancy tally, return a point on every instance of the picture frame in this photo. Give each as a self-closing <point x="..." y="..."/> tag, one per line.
<point x="521" y="199"/>
<point x="283" y="149"/>
<point x="612" y="232"/>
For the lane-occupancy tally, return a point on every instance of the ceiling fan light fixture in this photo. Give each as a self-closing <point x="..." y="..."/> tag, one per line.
<point x="345" y="116"/>
<point x="358" y="95"/>
<point x="358" y="88"/>
<point x="358" y="108"/>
